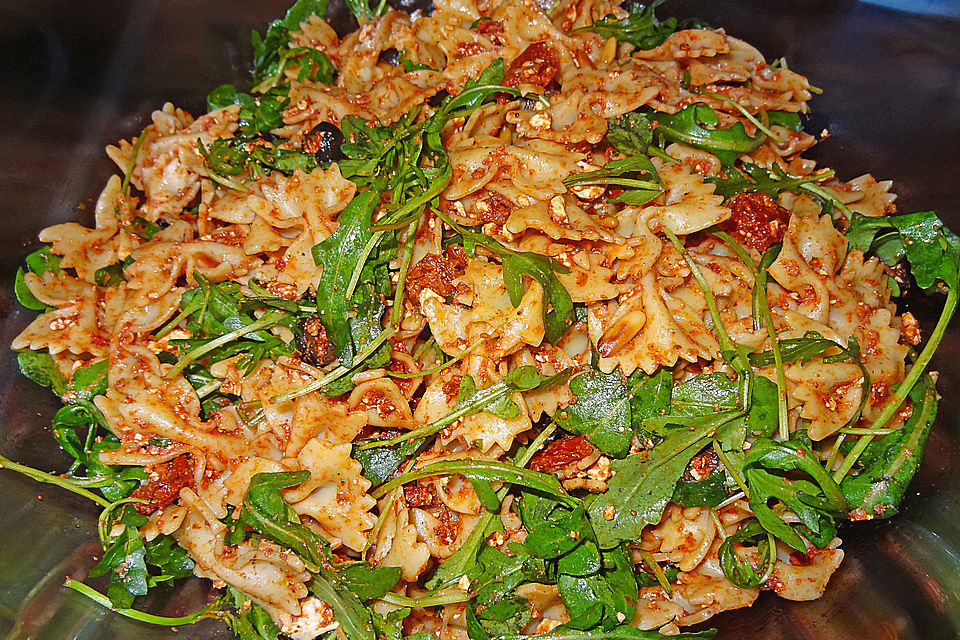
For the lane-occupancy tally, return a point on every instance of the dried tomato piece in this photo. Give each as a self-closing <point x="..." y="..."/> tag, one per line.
<point x="560" y="453"/>
<point x="756" y="221"/>
<point x="437" y="272"/>
<point x="537" y="65"/>
<point x="164" y="482"/>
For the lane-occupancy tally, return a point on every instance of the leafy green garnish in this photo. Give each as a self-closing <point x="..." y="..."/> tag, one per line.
<point x="127" y="557"/>
<point x="752" y="178"/>
<point x="742" y="573"/>
<point x="696" y="125"/>
<point x="890" y="463"/>
<point x="601" y="412"/>
<point x="272" y="52"/>
<point x="636" y="191"/>
<point x="38" y="262"/>
<point x="791" y="473"/>
<point x="641" y="28"/>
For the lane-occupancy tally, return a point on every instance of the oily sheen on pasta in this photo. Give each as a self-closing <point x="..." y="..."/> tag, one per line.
<point x="497" y="321"/>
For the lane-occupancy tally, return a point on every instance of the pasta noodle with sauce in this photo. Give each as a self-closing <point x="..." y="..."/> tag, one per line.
<point x="492" y="322"/>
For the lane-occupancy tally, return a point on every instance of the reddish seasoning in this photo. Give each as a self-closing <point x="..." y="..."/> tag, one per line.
<point x="560" y="453"/>
<point x="537" y="65"/>
<point x="756" y="221"/>
<point x="164" y="482"/>
<point x="437" y="272"/>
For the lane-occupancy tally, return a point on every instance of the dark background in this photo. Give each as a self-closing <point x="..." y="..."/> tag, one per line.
<point x="75" y="76"/>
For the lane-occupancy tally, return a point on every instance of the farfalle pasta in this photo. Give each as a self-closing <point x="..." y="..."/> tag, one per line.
<point x="499" y="321"/>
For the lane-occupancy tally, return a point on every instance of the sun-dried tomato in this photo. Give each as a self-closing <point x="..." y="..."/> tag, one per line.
<point x="756" y="221"/>
<point x="164" y="482"/>
<point x="560" y="453"/>
<point x="437" y="272"/>
<point x="537" y="65"/>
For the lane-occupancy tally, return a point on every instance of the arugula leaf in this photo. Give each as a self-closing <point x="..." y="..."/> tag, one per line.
<point x="696" y="126"/>
<point x="922" y="238"/>
<point x="643" y="482"/>
<point x="519" y="264"/>
<point x="742" y="573"/>
<point x="641" y="28"/>
<point x="250" y="622"/>
<point x="265" y="511"/>
<point x="271" y="51"/>
<point x="361" y="9"/>
<point x="115" y="483"/>
<point x="708" y="492"/>
<point x="601" y="412"/>
<point x="40" y="367"/>
<point x="338" y="255"/>
<point x="380" y="463"/>
<point x="636" y="192"/>
<point x="233" y="156"/>
<point x="38" y="262"/>
<point x="171" y="559"/>
<point x="890" y="463"/>
<point x="495" y="609"/>
<point x="258" y="115"/>
<point x="125" y="561"/>
<point x="492" y="75"/>
<point x="814" y="496"/>
<point x="752" y="178"/>
<point x="631" y="133"/>
<point x="356" y="621"/>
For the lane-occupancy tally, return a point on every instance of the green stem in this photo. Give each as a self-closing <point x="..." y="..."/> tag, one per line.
<point x="903" y="391"/>
<point x="268" y="320"/>
<point x="432" y="600"/>
<point x="746" y="114"/>
<point x="402" y="274"/>
<point x="657" y="571"/>
<point x="49" y="478"/>
<point x="339" y="371"/>
<point x="212" y="610"/>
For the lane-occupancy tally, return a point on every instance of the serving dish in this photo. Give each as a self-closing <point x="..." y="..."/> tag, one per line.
<point x="890" y="83"/>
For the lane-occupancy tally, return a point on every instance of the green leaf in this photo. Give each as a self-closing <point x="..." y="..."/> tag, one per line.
<point x="742" y="573"/>
<point x="40" y="367"/>
<point x="891" y="462"/>
<point x="708" y="492"/>
<point x="622" y="632"/>
<point x="42" y="261"/>
<point x="492" y="75"/>
<point x="641" y="28"/>
<point x="643" y="482"/>
<point x="339" y="255"/>
<point x="601" y="411"/>
<point x="631" y="133"/>
<point x="696" y="126"/>
<point x="88" y="381"/>
<point x="356" y="621"/>
<point x="619" y="173"/>
<point x="269" y="52"/>
<point x="381" y="462"/>
<point x="791" y="473"/>
<point x="172" y="560"/>
<point x="125" y="561"/>
<point x="929" y="246"/>
<point x="250" y="622"/>
<point x="24" y="295"/>
<point x="752" y="178"/>
<point x="265" y="511"/>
